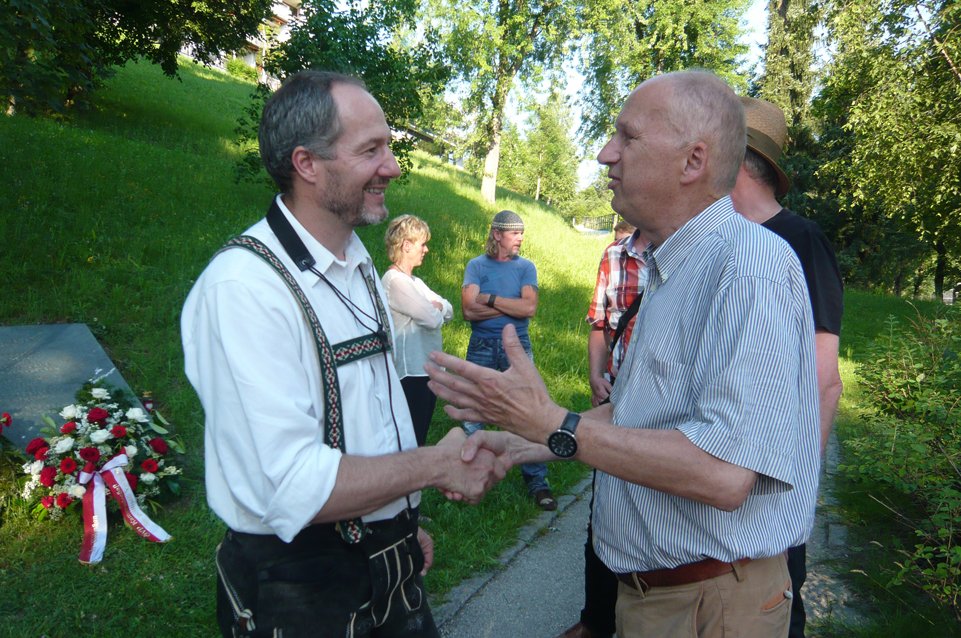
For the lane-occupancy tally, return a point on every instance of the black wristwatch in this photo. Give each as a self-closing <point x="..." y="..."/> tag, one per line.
<point x="562" y="441"/>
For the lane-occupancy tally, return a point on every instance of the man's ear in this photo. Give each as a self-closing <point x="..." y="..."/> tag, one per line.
<point x="305" y="164"/>
<point x="695" y="163"/>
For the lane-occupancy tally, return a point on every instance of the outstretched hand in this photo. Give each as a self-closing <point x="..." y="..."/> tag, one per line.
<point x="515" y="399"/>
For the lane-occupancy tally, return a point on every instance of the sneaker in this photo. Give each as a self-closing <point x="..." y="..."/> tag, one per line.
<point x="545" y="500"/>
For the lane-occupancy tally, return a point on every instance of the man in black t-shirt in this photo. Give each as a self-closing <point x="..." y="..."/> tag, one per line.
<point x="760" y="183"/>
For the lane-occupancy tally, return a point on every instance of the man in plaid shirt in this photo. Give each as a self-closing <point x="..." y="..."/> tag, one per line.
<point x="620" y="279"/>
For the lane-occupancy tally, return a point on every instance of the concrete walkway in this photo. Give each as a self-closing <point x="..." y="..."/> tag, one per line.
<point x="538" y="590"/>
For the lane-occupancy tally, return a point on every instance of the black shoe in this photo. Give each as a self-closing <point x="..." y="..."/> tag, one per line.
<point x="545" y="500"/>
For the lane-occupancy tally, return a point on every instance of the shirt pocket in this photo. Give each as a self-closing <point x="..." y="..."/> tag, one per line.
<point x="658" y="387"/>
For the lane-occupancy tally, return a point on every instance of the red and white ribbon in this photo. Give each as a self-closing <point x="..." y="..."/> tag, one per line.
<point x="111" y="477"/>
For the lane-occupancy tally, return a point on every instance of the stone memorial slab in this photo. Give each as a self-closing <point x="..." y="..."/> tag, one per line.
<point x="41" y="369"/>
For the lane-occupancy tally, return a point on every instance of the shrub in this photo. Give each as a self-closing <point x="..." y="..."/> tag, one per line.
<point x="912" y="376"/>
<point x="241" y="70"/>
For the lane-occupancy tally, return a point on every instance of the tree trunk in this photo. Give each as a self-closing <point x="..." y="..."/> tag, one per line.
<point x="537" y="194"/>
<point x="940" y="267"/>
<point x="489" y="182"/>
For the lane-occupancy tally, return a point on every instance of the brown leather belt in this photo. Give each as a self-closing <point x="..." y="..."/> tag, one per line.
<point x="683" y="575"/>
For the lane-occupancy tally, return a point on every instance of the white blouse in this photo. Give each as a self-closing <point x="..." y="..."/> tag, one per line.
<point x="416" y="320"/>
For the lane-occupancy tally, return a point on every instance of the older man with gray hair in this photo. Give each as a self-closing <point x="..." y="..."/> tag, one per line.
<point x="708" y="454"/>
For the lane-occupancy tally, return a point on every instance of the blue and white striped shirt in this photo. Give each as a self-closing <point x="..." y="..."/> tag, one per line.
<point x="723" y="350"/>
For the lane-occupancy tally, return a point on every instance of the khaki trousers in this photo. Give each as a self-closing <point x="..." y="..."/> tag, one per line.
<point x="754" y="601"/>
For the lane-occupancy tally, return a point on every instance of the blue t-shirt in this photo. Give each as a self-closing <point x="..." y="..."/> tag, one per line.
<point x="504" y="279"/>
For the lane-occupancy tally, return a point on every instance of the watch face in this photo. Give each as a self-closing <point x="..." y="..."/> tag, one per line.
<point x="562" y="443"/>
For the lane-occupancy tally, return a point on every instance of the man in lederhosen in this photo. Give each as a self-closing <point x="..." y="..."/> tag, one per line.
<point x="311" y="459"/>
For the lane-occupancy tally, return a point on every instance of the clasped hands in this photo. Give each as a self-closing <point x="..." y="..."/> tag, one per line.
<point x="515" y="399"/>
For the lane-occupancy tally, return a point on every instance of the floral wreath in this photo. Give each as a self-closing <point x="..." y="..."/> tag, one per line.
<point x="104" y="446"/>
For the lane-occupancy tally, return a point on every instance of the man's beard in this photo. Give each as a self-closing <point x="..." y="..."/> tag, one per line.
<point x="352" y="208"/>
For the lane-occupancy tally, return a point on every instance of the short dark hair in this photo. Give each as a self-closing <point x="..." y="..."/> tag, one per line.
<point x="760" y="170"/>
<point x="302" y="112"/>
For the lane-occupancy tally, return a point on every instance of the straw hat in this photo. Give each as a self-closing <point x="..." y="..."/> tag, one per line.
<point x="766" y="134"/>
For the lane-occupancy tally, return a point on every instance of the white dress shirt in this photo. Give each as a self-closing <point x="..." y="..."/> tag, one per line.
<point x="417" y="321"/>
<point x="251" y="357"/>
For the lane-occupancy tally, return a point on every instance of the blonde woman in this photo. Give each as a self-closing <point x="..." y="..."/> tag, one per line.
<point x="418" y="314"/>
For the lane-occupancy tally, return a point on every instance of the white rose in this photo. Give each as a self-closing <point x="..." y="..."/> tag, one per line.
<point x="148" y="477"/>
<point x="100" y="436"/>
<point x="77" y="491"/>
<point x="130" y="451"/>
<point x="63" y="445"/>
<point x="100" y="393"/>
<point x="33" y="468"/>
<point x="136" y="414"/>
<point x="70" y="412"/>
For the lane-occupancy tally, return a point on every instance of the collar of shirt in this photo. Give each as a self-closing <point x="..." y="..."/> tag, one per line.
<point x="355" y="252"/>
<point x="630" y="245"/>
<point x="668" y="257"/>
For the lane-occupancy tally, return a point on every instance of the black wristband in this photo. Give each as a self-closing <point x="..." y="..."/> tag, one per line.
<point x="490" y="300"/>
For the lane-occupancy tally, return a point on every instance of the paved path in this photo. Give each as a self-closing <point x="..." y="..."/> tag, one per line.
<point x="538" y="590"/>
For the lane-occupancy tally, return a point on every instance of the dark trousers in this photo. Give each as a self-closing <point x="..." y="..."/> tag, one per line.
<point x="797" y="568"/>
<point x="421" y="402"/>
<point x="600" y="585"/>
<point x="318" y="586"/>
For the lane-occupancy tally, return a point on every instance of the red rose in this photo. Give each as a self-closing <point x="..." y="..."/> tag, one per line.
<point x="68" y="465"/>
<point x="118" y="431"/>
<point x="97" y="415"/>
<point x="47" y="501"/>
<point x="36" y="444"/>
<point x="150" y="465"/>
<point x="158" y="445"/>
<point x="41" y="454"/>
<point x="5" y="420"/>
<point x="47" y="476"/>
<point x="89" y="454"/>
<point x="68" y="427"/>
<point x="63" y="500"/>
<point x="132" y="481"/>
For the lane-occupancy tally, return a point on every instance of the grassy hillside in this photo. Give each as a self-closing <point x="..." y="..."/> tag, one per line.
<point x="109" y="218"/>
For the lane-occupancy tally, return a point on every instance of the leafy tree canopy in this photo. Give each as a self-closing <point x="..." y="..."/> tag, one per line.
<point x="363" y="40"/>
<point x="627" y="42"/>
<point x="544" y="163"/>
<point x="895" y="87"/>
<point x="53" y="53"/>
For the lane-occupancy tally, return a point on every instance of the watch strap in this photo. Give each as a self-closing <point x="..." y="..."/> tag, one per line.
<point x="571" y="422"/>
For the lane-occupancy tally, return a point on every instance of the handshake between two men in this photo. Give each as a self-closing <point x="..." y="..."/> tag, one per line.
<point x="515" y="399"/>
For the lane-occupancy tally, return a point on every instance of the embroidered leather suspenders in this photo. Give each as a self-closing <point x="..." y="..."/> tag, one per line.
<point x="329" y="356"/>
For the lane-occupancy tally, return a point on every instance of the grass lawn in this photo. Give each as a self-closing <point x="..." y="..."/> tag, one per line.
<point x="110" y="218"/>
